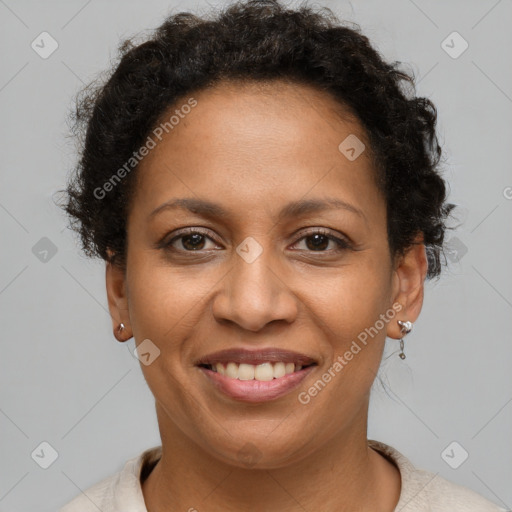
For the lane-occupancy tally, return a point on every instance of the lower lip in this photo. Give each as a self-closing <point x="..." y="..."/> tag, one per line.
<point x="256" y="390"/>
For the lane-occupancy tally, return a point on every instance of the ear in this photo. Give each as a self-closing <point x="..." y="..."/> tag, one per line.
<point x="408" y="285"/>
<point x="115" y="278"/>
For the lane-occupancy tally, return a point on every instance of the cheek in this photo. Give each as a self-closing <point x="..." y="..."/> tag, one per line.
<point x="351" y="299"/>
<point x="164" y="308"/>
<point x="348" y="310"/>
<point x="349" y="316"/>
<point x="163" y="300"/>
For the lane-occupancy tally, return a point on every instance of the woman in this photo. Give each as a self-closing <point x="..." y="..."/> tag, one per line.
<point x="265" y="192"/>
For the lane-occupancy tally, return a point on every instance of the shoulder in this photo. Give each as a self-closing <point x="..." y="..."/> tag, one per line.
<point x="445" y="496"/>
<point x="118" y="492"/>
<point x="424" y="491"/>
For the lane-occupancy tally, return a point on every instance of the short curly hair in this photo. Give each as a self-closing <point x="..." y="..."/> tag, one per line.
<point x="257" y="41"/>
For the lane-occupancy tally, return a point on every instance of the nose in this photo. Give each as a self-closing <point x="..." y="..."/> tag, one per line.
<point x="254" y="294"/>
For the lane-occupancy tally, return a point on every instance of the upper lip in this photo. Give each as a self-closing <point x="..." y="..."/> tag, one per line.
<point x="255" y="357"/>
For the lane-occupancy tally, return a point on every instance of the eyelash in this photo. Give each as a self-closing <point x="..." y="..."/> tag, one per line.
<point x="341" y="243"/>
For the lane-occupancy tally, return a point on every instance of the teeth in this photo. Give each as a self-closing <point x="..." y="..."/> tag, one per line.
<point x="264" y="372"/>
<point x="232" y="371"/>
<point x="261" y="372"/>
<point x="246" y="372"/>
<point x="289" y="368"/>
<point x="279" y="370"/>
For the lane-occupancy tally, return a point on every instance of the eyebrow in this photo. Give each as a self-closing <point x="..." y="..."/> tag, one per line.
<point x="296" y="208"/>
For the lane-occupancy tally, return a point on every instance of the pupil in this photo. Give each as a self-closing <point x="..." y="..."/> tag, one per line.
<point x="316" y="244"/>
<point x="197" y="238"/>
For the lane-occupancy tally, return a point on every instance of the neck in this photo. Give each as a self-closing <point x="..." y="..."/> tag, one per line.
<point x="345" y="474"/>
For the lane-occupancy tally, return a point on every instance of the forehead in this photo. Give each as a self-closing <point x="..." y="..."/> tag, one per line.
<point x="254" y="142"/>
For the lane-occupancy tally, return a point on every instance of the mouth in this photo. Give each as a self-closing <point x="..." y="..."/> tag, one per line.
<point x="256" y="376"/>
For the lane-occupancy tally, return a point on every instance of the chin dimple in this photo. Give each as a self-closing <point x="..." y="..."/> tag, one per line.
<point x="262" y="372"/>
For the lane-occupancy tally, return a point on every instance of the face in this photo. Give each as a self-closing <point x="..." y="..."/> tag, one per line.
<point x="275" y="261"/>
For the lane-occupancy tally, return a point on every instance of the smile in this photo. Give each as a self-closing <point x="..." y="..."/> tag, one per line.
<point x="256" y="376"/>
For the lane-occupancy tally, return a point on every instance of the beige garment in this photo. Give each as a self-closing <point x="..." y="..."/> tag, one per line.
<point x="422" y="491"/>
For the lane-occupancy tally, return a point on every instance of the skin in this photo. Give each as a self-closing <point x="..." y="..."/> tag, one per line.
<point x="253" y="149"/>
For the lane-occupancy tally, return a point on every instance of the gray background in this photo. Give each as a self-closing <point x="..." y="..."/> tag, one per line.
<point x="64" y="378"/>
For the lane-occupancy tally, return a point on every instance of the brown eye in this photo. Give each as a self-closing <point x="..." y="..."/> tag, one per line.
<point x="192" y="242"/>
<point x="318" y="241"/>
<point x="188" y="241"/>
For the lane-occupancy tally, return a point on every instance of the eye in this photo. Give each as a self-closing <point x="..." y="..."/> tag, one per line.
<point x="192" y="239"/>
<point x="319" y="240"/>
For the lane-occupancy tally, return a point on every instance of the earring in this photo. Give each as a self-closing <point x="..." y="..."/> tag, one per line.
<point x="120" y="330"/>
<point x="405" y="328"/>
